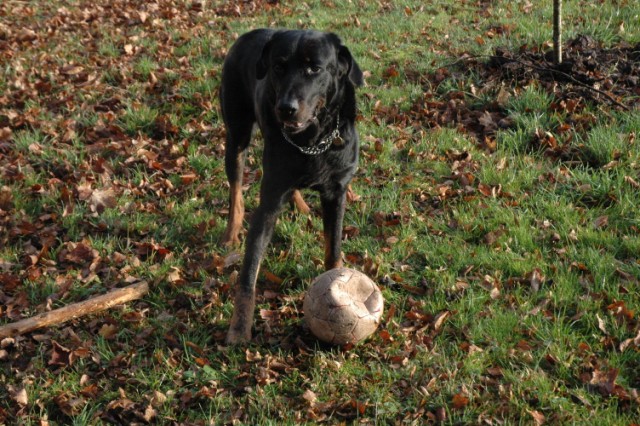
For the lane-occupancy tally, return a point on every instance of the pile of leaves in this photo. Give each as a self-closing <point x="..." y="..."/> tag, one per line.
<point x="590" y="76"/>
<point x="588" y="73"/>
<point x="242" y="8"/>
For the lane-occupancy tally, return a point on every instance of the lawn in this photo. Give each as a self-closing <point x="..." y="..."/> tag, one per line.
<point x="496" y="206"/>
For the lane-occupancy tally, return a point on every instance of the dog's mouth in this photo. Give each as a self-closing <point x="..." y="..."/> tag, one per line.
<point x="293" y="127"/>
<point x="301" y="120"/>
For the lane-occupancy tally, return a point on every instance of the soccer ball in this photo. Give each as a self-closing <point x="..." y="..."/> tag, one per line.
<point x="343" y="306"/>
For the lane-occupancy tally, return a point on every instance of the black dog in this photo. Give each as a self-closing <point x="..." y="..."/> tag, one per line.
<point x="299" y="86"/>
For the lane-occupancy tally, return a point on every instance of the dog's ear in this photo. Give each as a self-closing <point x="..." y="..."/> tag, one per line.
<point x="262" y="66"/>
<point x="346" y="64"/>
<point x="355" y="73"/>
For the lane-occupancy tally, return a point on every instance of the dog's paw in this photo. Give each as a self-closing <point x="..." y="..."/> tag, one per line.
<point x="242" y="319"/>
<point x="238" y="337"/>
<point x="230" y="241"/>
<point x="231" y="238"/>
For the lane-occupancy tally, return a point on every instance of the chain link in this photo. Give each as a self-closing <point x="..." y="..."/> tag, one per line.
<point x="320" y="148"/>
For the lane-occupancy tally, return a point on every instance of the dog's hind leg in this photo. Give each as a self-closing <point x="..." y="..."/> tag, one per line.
<point x="235" y="153"/>
<point x="298" y="201"/>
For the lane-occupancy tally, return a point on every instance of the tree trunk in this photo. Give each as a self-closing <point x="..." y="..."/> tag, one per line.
<point x="557" y="31"/>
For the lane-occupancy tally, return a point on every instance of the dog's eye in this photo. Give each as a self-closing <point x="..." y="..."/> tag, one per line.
<point x="278" y="68"/>
<point x="312" y="69"/>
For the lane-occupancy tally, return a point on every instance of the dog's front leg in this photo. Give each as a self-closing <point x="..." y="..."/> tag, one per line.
<point x="260" y="231"/>
<point x="333" y="206"/>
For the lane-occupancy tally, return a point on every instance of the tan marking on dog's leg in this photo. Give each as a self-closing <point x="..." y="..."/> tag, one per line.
<point x="236" y="215"/>
<point x="299" y="202"/>
<point x="329" y="262"/>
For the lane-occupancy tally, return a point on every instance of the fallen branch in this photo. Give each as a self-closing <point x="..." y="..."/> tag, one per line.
<point x="76" y="310"/>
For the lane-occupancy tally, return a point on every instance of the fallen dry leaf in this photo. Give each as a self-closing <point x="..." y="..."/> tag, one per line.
<point x="71" y="70"/>
<point x="535" y="279"/>
<point x="628" y="179"/>
<point x="102" y="199"/>
<point x="604" y="380"/>
<point x="108" y="331"/>
<point x="601" y="324"/>
<point x="538" y="417"/>
<point x="460" y="401"/>
<point x="149" y="414"/>
<point x="271" y="277"/>
<point x="18" y="395"/>
<point x="494" y="293"/>
<point x="60" y="356"/>
<point x="5" y="133"/>
<point x="440" y="319"/>
<point x="158" y="398"/>
<point x="601" y="222"/>
<point x="630" y="341"/>
<point x="503" y="96"/>
<point x="486" y="121"/>
<point x="310" y="396"/>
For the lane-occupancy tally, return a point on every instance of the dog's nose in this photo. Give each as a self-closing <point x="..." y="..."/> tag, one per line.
<point x="287" y="108"/>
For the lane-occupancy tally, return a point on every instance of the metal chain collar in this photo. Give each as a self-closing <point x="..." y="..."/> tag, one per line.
<point x="320" y="148"/>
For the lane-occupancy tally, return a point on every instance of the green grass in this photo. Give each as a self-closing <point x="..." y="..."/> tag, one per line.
<point x="468" y="227"/>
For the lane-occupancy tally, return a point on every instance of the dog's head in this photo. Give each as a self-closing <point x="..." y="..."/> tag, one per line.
<point x="307" y="72"/>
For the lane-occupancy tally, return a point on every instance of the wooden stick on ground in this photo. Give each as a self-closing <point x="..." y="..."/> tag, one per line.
<point x="75" y="310"/>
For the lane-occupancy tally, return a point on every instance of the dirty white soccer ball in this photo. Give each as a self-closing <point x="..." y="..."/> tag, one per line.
<point x="343" y="306"/>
